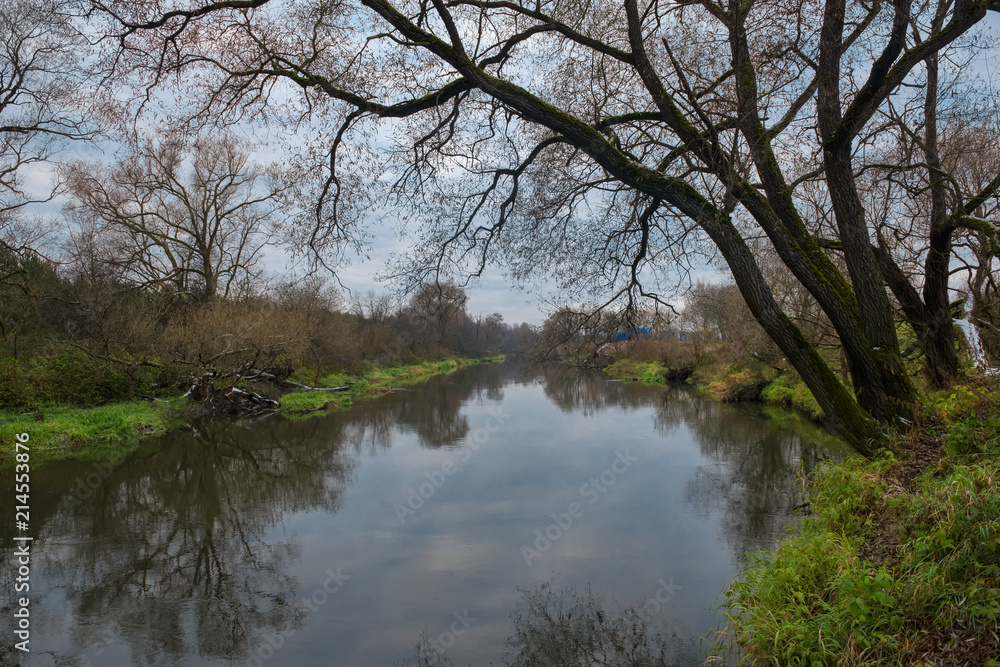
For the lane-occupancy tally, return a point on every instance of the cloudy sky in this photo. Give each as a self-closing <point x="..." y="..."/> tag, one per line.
<point x="490" y="294"/>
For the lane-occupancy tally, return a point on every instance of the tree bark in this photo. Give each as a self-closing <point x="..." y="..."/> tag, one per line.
<point x="881" y="384"/>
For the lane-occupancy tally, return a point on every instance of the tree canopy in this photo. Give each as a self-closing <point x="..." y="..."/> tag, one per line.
<point x="609" y="142"/>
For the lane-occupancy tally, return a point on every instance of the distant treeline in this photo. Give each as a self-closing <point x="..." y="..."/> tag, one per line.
<point x="70" y="336"/>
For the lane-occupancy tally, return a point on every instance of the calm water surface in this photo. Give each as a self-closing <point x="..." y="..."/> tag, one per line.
<point x="349" y="538"/>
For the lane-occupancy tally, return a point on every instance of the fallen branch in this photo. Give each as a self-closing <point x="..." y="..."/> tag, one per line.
<point x="270" y="377"/>
<point x="252" y="397"/>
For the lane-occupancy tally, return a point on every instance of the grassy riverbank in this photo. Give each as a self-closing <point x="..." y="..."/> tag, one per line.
<point x="725" y="382"/>
<point x="374" y="382"/>
<point x="107" y="432"/>
<point x="898" y="559"/>
<point x="93" y="433"/>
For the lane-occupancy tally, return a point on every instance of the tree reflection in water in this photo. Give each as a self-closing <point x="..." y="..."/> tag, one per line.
<point x="758" y="457"/>
<point x="176" y="553"/>
<point x="171" y="553"/>
<point x="432" y="411"/>
<point x="566" y="627"/>
<point x="556" y="627"/>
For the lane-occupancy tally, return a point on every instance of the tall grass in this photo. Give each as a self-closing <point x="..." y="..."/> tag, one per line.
<point x="933" y="556"/>
<point x="99" y="433"/>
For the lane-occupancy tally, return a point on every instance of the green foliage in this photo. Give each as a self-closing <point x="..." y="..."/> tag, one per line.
<point x="646" y="372"/>
<point x="974" y="435"/>
<point x="720" y="380"/>
<point x="972" y="420"/>
<point x="790" y="390"/>
<point x="104" y="432"/>
<point x="951" y="534"/>
<point x="309" y="401"/>
<point x="373" y="382"/>
<point x="816" y="601"/>
<point x="335" y="379"/>
<point x="71" y="376"/>
<point x="813" y="602"/>
<point x="961" y="401"/>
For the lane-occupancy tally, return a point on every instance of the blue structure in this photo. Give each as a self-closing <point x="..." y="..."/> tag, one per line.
<point x="632" y="334"/>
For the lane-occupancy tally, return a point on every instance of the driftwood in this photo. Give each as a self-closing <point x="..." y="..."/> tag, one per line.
<point x="233" y="400"/>
<point x="230" y="399"/>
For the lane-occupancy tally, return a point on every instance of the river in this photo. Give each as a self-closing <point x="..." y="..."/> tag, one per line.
<point x="482" y="515"/>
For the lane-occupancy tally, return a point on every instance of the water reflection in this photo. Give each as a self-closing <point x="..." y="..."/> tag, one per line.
<point x="560" y="626"/>
<point x="432" y="410"/>
<point x="170" y="553"/>
<point x="205" y="540"/>
<point x="754" y="464"/>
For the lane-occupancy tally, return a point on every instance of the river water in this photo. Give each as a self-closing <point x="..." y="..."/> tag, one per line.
<point x="497" y="505"/>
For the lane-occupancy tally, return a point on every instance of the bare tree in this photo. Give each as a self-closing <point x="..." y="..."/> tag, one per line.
<point x="193" y="218"/>
<point x="602" y="141"/>
<point x="932" y="182"/>
<point x="438" y="310"/>
<point x="42" y="105"/>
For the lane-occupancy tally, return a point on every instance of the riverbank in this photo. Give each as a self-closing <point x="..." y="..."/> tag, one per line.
<point x="371" y="383"/>
<point x="108" y="432"/>
<point x="898" y="559"/>
<point x="727" y="382"/>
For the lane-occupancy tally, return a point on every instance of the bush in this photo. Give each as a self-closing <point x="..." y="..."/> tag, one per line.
<point x="790" y="390"/>
<point x="71" y="376"/>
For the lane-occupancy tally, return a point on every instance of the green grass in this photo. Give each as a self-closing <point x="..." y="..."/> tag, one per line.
<point x="791" y="391"/>
<point x="647" y="372"/>
<point x="814" y="602"/>
<point x="719" y="380"/>
<point x="99" y="433"/>
<point x="952" y="555"/>
<point x="372" y="382"/>
<point x="311" y="401"/>
<point x="934" y="544"/>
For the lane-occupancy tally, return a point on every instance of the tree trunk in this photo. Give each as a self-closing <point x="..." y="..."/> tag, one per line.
<point x="860" y="312"/>
<point x="881" y="385"/>
<point x="939" y="336"/>
<point x="845" y="414"/>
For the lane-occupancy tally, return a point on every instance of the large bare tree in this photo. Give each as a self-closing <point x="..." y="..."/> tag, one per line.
<point x="191" y="217"/>
<point x="605" y="141"/>
<point x="438" y="311"/>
